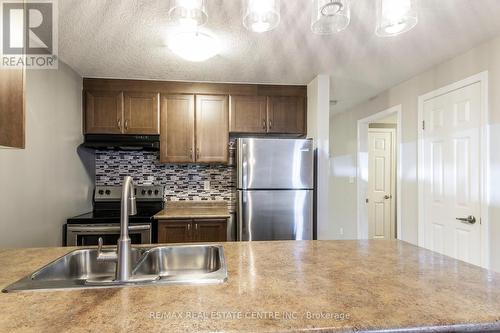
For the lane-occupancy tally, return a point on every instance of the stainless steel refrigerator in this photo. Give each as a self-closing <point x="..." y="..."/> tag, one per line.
<point x="275" y="181"/>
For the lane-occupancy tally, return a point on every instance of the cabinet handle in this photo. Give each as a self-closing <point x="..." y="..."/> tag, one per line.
<point x="197" y="153"/>
<point x="191" y="155"/>
<point x="270" y="124"/>
<point x="196" y="226"/>
<point x="126" y="124"/>
<point x="264" y="124"/>
<point x="189" y="226"/>
<point x="119" y="123"/>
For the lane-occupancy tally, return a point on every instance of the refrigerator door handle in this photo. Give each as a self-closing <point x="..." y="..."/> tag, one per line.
<point x="242" y="163"/>
<point x="241" y="215"/>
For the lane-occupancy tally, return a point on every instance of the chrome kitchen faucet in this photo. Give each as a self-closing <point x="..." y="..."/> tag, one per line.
<point x="122" y="256"/>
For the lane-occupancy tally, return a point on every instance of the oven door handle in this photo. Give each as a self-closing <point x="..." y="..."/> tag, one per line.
<point x="108" y="228"/>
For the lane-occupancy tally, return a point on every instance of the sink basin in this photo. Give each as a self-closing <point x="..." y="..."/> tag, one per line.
<point x="79" y="269"/>
<point x="189" y="263"/>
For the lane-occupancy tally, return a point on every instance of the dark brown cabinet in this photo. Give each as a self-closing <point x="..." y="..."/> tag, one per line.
<point x="194" y="120"/>
<point x="197" y="230"/>
<point x="12" y="125"/>
<point x="212" y="129"/>
<point x="141" y="114"/>
<point x="177" y="129"/>
<point x="248" y="114"/>
<point x="116" y="112"/>
<point x="274" y="114"/>
<point x="103" y="112"/>
<point x="210" y="230"/>
<point x="286" y="115"/>
<point x="174" y="232"/>
<point x="194" y="129"/>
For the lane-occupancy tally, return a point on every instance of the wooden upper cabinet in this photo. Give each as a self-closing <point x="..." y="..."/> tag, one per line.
<point x="12" y="126"/>
<point x="103" y="112"/>
<point x="286" y="115"/>
<point x="210" y="230"/>
<point x="212" y="129"/>
<point x="248" y="114"/>
<point x="177" y="129"/>
<point x="141" y="113"/>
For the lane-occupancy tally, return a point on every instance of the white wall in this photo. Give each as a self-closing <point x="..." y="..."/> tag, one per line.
<point x="343" y="130"/>
<point x="47" y="182"/>
<point x="318" y="113"/>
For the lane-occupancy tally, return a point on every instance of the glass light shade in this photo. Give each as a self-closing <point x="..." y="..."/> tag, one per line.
<point x="189" y="13"/>
<point x="194" y="45"/>
<point x="261" y="15"/>
<point x="330" y="16"/>
<point x="395" y="17"/>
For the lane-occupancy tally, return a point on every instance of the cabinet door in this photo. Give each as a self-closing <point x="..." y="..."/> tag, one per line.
<point x="212" y="129"/>
<point x="210" y="230"/>
<point x="175" y="231"/>
<point x="141" y="113"/>
<point x="286" y="115"/>
<point x="12" y="108"/>
<point x="177" y="129"/>
<point x="103" y="112"/>
<point x="248" y="114"/>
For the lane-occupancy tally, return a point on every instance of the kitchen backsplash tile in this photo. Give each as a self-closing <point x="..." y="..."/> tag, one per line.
<point x="181" y="181"/>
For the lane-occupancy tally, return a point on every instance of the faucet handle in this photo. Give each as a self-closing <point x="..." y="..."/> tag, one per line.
<point x="100" y="242"/>
<point x="105" y="256"/>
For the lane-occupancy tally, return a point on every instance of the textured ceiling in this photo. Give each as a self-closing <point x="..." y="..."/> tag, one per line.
<point x="126" y="39"/>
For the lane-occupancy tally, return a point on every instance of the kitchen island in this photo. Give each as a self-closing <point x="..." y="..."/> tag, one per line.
<point x="331" y="286"/>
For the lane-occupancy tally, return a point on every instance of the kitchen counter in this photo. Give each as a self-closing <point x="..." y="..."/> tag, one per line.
<point x="175" y="210"/>
<point x="332" y="286"/>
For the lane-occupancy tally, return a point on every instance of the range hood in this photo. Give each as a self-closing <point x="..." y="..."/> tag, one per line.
<point x="122" y="141"/>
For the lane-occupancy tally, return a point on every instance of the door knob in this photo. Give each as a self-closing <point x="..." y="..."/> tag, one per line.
<point x="386" y="197"/>
<point x="469" y="219"/>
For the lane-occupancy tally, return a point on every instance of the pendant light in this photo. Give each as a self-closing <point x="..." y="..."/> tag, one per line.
<point x="188" y="13"/>
<point x="395" y="17"/>
<point x="261" y="15"/>
<point x="330" y="16"/>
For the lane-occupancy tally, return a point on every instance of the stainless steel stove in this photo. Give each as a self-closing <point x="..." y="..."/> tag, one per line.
<point x="104" y="220"/>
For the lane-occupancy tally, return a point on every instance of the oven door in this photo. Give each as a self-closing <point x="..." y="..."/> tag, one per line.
<point x="89" y="234"/>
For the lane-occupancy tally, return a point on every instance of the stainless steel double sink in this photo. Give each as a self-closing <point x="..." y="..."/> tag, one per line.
<point x="79" y="269"/>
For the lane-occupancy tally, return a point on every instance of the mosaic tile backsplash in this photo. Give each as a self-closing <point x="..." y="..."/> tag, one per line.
<point x="182" y="182"/>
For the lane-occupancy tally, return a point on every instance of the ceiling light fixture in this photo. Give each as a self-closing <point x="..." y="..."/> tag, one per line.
<point x="194" y="45"/>
<point x="330" y="16"/>
<point x="395" y="17"/>
<point x="261" y="15"/>
<point x="190" y="13"/>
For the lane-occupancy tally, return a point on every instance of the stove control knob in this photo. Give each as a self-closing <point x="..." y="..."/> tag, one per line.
<point x="101" y="192"/>
<point x="150" y="192"/>
<point x="143" y="192"/>
<point x="108" y="192"/>
<point x="156" y="192"/>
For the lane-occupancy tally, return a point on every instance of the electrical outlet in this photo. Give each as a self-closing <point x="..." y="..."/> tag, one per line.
<point x="206" y="185"/>
<point x="341" y="231"/>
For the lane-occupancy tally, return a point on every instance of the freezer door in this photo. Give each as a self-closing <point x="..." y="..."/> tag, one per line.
<point x="275" y="215"/>
<point x="275" y="164"/>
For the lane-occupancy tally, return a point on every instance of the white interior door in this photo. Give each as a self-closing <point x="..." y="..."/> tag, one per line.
<point x="451" y="152"/>
<point x="381" y="184"/>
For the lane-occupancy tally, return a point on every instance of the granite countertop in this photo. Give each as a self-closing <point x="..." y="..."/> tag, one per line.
<point x="328" y="286"/>
<point x="193" y="209"/>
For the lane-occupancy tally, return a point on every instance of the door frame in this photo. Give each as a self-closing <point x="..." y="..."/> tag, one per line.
<point x="362" y="169"/>
<point x="481" y="78"/>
